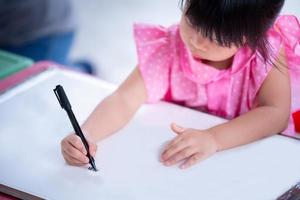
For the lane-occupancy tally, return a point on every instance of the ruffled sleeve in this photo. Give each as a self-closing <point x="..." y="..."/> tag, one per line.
<point x="154" y="58"/>
<point x="289" y="28"/>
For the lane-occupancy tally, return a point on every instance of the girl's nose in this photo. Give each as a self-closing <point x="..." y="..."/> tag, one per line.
<point x="198" y="43"/>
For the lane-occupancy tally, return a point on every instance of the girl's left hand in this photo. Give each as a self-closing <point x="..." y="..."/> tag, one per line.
<point x="190" y="145"/>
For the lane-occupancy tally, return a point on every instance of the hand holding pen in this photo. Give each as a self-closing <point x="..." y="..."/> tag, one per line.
<point x="76" y="149"/>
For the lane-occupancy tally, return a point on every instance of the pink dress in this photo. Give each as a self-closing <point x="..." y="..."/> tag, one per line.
<point x="171" y="73"/>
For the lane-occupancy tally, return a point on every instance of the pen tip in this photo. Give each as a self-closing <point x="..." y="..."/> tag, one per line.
<point x="93" y="167"/>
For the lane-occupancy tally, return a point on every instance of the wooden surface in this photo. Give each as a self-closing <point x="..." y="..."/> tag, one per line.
<point x="16" y="194"/>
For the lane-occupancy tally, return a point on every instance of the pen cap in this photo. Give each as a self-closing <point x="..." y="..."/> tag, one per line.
<point x="62" y="97"/>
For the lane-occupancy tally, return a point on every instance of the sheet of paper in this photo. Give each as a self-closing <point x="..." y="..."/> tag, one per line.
<point x="32" y="125"/>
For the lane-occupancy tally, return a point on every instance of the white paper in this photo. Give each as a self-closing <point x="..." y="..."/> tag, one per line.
<point x="32" y="124"/>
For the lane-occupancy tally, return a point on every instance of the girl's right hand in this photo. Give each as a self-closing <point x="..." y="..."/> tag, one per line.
<point x="74" y="151"/>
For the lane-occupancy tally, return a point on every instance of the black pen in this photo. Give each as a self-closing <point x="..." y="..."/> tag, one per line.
<point x="65" y="104"/>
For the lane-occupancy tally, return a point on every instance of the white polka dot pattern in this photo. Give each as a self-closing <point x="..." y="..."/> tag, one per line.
<point x="167" y="66"/>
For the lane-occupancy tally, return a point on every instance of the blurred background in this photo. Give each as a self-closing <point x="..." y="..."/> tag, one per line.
<point x="105" y="34"/>
<point x="95" y="32"/>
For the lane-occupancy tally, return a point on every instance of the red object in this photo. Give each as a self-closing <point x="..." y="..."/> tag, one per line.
<point x="296" y="117"/>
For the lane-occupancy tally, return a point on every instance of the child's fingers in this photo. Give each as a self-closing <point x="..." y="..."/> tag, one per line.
<point x="177" y="139"/>
<point x="78" y="160"/>
<point x="172" y="143"/>
<point x="174" y="149"/>
<point x="71" y="160"/>
<point x="73" y="163"/>
<point x="195" y="158"/>
<point x="179" y="156"/>
<point x="77" y="143"/>
<point x="75" y="153"/>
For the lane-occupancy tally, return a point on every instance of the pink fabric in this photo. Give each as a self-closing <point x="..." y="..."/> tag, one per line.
<point x="171" y="73"/>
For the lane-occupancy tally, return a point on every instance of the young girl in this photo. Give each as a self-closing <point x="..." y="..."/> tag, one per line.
<point x="233" y="59"/>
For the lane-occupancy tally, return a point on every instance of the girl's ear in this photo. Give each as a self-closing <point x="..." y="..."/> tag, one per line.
<point x="177" y="129"/>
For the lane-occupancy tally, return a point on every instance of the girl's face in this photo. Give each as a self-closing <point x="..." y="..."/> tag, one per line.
<point x="201" y="47"/>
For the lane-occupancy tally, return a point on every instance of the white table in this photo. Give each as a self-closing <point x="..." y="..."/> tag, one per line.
<point x="32" y="125"/>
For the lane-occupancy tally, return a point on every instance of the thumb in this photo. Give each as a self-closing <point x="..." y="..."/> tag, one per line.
<point x="177" y="129"/>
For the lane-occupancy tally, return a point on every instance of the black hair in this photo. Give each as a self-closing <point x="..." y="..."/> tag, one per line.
<point x="238" y="22"/>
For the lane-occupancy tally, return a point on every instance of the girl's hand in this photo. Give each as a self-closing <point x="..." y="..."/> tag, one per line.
<point x="74" y="151"/>
<point x="190" y="145"/>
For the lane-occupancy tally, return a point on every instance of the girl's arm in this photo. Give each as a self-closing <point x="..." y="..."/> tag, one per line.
<point x="116" y="110"/>
<point x="269" y="117"/>
<point x="108" y="117"/>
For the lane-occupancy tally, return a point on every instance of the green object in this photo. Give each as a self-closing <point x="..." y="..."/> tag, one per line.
<point x="11" y="63"/>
